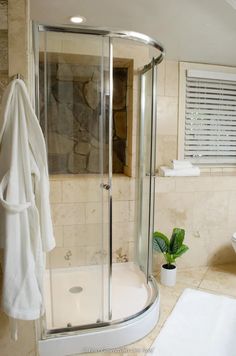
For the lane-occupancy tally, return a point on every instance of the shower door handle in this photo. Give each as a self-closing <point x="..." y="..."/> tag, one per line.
<point x="105" y="186"/>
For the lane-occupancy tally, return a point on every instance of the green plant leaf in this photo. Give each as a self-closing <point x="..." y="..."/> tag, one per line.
<point x="176" y="240"/>
<point x="160" y="242"/>
<point x="181" y="251"/>
<point x="170" y="259"/>
<point x="162" y="236"/>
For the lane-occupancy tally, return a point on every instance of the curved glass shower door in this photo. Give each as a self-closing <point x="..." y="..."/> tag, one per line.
<point x="74" y="98"/>
<point x="101" y="153"/>
<point x="147" y="167"/>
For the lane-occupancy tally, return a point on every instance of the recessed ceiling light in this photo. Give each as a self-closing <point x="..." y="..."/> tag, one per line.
<point x="232" y="3"/>
<point x="77" y="19"/>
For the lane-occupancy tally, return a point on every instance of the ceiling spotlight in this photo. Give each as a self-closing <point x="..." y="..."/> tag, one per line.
<point x="77" y="19"/>
<point x="232" y="3"/>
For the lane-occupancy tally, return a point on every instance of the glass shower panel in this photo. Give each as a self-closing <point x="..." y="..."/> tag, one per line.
<point x="74" y="101"/>
<point x="146" y="172"/>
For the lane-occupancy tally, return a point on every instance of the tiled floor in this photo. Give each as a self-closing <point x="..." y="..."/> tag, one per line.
<point x="220" y="279"/>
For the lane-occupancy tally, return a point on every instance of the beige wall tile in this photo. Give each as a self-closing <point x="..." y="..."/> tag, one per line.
<point x="58" y="233"/>
<point x="198" y="242"/>
<point x="63" y="257"/>
<point x="122" y="211"/>
<point x="166" y="149"/>
<point x="232" y="212"/>
<point x="132" y="210"/>
<point x="171" y="78"/>
<point x="68" y="214"/>
<point x="223" y="183"/>
<point x="218" y="171"/>
<point x="95" y="214"/>
<point x="84" y="235"/>
<point x="220" y="248"/>
<point x="55" y="191"/>
<point x="95" y="255"/>
<point x="161" y="72"/>
<point x="174" y="210"/>
<point x="123" y="231"/>
<point x="74" y="235"/>
<point x="165" y="185"/>
<point x="194" y="184"/>
<point x="122" y="188"/>
<point x="167" y="115"/>
<point x="82" y="189"/>
<point x="210" y="209"/>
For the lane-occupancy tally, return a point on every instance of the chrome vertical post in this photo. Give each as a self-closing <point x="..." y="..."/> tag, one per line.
<point x="110" y="171"/>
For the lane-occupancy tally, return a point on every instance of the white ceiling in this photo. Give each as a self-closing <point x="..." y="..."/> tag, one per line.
<point x="190" y="30"/>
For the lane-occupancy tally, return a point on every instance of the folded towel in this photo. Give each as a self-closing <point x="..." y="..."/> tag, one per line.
<point x="175" y="164"/>
<point x="185" y="172"/>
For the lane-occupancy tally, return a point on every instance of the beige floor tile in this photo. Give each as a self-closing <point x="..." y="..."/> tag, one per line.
<point x="192" y="277"/>
<point x="220" y="279"/>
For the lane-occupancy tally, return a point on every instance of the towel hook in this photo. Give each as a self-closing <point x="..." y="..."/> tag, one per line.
<point x="17" y="76"/>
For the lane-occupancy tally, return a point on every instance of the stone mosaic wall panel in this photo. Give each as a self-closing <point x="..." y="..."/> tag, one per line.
<point x="3" y="84"/>
<point x="3" y="51"/>
<point x="72" y="126"/>
<point x="3" y="14"/>
<point x="3" y="47"/>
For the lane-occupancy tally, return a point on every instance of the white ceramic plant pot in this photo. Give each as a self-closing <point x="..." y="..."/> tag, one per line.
<point x="168" y="276"/>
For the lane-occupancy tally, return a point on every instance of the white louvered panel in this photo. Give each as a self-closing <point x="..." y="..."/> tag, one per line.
<point x="199" y="144"/>
<point x="200" y="110"/>
<point x="210" y="117"/>
<point x="209" y="101"/>
<point x="211" y="153"/>
<point x="210" y="128"/>
<point x="211" y="85"/>
<point x="213" y="159"/>
<point x="202" y="132"/>
<point x="210" y="143"/>
<point x="202" y="138"/>
<point x="228" y="109"/>
<point x="211" y="148"/>
<point x="210" y="120"/>
<point x="194" y="121"/>
<point x="214" y="96"/>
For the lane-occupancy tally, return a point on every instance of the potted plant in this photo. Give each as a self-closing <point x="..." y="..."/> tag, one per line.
<point x="171" y="250"/>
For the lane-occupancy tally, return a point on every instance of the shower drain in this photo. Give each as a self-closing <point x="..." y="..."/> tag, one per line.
<point x="76" y="289"/>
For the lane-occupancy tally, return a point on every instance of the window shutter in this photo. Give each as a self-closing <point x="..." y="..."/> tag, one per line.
<point x="210" y="117"/>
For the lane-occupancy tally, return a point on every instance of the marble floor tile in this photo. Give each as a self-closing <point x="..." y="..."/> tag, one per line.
<point x="220" y="279"/>
<point x="191" y="277"/>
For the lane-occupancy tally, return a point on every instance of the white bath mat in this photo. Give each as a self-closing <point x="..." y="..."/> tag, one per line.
<point x="201" y="324"/>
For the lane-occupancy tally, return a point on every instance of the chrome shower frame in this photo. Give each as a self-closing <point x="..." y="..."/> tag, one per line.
<point x="138" y="37"/>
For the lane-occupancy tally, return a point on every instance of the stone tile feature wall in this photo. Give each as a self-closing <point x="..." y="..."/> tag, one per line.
<point x="76" y="213"/>
<point x="72" y="126"/>
<point x="3" y="47"/>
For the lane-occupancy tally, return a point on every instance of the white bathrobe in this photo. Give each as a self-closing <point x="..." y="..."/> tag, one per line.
<point x="25" y="219"/>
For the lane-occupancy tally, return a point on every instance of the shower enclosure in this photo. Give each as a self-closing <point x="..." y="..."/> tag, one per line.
<point x="96" y="102"/>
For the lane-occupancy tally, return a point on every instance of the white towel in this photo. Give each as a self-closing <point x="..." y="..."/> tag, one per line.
<point x="177" y="164"/>
<point x="185" y="172"/>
